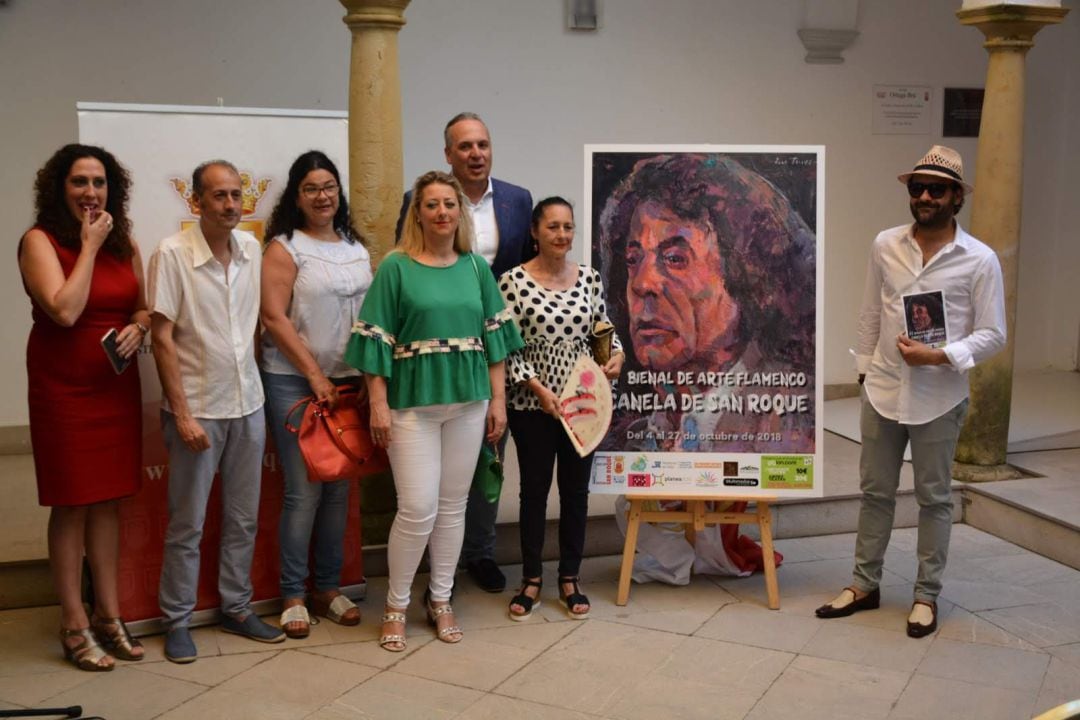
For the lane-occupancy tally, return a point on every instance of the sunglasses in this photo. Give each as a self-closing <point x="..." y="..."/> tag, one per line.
<point x="936" y="190"/>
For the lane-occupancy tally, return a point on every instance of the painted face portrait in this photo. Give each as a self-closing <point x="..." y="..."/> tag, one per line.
<point x="711" y="277"/>
<point x="680" y="311"/>
<point x="920" y="317"/>
<point x="705" y="259"/>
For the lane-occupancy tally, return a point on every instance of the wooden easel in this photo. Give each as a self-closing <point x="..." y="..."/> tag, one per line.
<point x="696" y="518"/>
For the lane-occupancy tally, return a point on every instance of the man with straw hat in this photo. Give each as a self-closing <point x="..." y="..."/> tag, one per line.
<point x="918" y="393"/>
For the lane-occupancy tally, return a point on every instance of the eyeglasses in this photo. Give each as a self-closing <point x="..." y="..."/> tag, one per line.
<point x="936" y="190"/>
<point x="311" y="192"/>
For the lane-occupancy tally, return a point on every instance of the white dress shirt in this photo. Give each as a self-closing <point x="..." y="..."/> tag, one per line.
<point x="215" y="314"/>
<point x="969" y="275"/>
<point x="483" y="219"/>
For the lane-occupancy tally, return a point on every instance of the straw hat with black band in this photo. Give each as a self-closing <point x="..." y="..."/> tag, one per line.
<point x="940" y="161"/>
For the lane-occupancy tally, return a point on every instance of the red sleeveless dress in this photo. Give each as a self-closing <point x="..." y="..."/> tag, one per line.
<point x="85" y="420"/>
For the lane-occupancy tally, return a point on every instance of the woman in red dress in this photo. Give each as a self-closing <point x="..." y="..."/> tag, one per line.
<point x="82" y="271"/>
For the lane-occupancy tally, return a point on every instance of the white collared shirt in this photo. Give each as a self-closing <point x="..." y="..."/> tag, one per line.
<point x="969" y="275"/>
<point x="215" y="314"/>
<point x="483" y="219"/>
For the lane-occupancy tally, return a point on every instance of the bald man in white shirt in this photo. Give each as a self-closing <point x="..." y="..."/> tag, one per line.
<point x="204" y="301"/>
<point x="914" y="392"/>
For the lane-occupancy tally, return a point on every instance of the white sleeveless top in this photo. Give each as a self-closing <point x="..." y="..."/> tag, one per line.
<point x="331" y="281"/>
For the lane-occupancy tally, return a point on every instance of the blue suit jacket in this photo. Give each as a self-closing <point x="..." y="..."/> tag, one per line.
<point x="513" y="216"/>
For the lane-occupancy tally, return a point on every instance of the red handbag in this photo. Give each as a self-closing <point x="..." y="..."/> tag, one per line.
<point x="335" y="444"/>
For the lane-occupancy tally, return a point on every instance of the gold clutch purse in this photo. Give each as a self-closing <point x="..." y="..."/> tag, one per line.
<point x="600" y="342"/>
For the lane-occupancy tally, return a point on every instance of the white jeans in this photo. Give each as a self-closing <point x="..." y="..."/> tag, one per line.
<point x="433" y="453"/>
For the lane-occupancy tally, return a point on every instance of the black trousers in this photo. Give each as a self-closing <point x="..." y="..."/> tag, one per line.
<point x="540" y="440"/>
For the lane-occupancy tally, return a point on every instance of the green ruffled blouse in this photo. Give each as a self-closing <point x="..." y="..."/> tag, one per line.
<point x="432" y="332"/>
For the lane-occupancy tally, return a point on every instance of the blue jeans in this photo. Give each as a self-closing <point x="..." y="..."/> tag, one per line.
<point x="319" y="506"/>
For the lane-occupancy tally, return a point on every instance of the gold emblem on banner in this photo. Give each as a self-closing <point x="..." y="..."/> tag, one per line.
<point x="253" y="191"/>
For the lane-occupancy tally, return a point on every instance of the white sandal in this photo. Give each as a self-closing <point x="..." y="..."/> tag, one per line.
<point x="449" y="634"/>
<point x="296" y="613"/>
<point x="393" y="642"/>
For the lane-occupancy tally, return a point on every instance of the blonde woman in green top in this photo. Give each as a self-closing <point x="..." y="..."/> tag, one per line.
<point x="431" y="339"/>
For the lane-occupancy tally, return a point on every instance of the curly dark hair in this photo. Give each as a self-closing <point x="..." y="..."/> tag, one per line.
<point x="767" y="250"/>
<point x="287" y="217"/>
<point x="932" y="303"/>
<point x="51" y="207"/>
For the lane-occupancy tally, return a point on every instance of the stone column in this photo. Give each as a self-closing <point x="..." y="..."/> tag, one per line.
<point x="375" y="165"/>
<point x="995" y="214"/>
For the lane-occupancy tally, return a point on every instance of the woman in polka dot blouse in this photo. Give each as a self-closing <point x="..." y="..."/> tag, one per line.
<point x="556" y="303"/>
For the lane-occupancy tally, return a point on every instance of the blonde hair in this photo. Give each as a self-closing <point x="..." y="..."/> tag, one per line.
<point x="412" y="235"/>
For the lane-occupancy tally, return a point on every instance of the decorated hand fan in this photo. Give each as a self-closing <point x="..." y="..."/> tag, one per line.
<point x="585" y="404"/>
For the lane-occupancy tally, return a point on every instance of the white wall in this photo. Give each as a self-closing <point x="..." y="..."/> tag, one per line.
<point x="691" y="71"/>
<point x="1048" y="315"/>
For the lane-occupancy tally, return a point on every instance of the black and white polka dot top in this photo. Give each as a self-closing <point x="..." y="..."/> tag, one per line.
<point x="555" y="325"/>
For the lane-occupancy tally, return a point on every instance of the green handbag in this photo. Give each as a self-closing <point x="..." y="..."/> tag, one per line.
<point x="488" y="476"/>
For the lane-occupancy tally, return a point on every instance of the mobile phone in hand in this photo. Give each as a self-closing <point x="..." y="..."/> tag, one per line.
<point x="118" y="362"/>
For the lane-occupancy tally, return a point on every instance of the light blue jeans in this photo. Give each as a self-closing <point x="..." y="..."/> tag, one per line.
<point x="236" y="449"/>
<point x="322" y="507"/>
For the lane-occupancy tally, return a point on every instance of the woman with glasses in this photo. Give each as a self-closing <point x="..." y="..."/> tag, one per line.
<point x="315" y="273"/>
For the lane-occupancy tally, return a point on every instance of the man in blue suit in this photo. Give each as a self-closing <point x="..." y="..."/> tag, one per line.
<point x="501" y="215"/>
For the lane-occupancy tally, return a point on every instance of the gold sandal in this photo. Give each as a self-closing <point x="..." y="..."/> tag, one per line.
<point x="88" y="654"/>
<point x="114" y="636"/>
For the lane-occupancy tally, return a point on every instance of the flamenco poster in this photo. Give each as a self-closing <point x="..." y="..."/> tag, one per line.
<point x="712" y="263"/>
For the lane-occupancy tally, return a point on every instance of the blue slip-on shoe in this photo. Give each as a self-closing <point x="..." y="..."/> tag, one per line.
<point x="253" y="628"/>
<point x="179" y="647"/>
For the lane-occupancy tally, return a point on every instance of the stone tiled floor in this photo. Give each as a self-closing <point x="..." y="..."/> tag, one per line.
<point x="1008" y="648"/>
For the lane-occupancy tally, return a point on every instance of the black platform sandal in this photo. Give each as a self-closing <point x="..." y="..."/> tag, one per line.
<point x="524" y="600"/>
<point x="573" y="598"/>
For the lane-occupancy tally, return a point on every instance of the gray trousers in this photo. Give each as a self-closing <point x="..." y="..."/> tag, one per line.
<point x="933" y="446"/>
<point x="236" y="447"/>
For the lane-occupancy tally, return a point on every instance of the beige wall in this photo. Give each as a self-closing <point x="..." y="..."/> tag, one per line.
<point x="693" y="71"/>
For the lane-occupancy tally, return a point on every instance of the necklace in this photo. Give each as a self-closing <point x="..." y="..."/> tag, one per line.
<point x="427" y="258"/>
